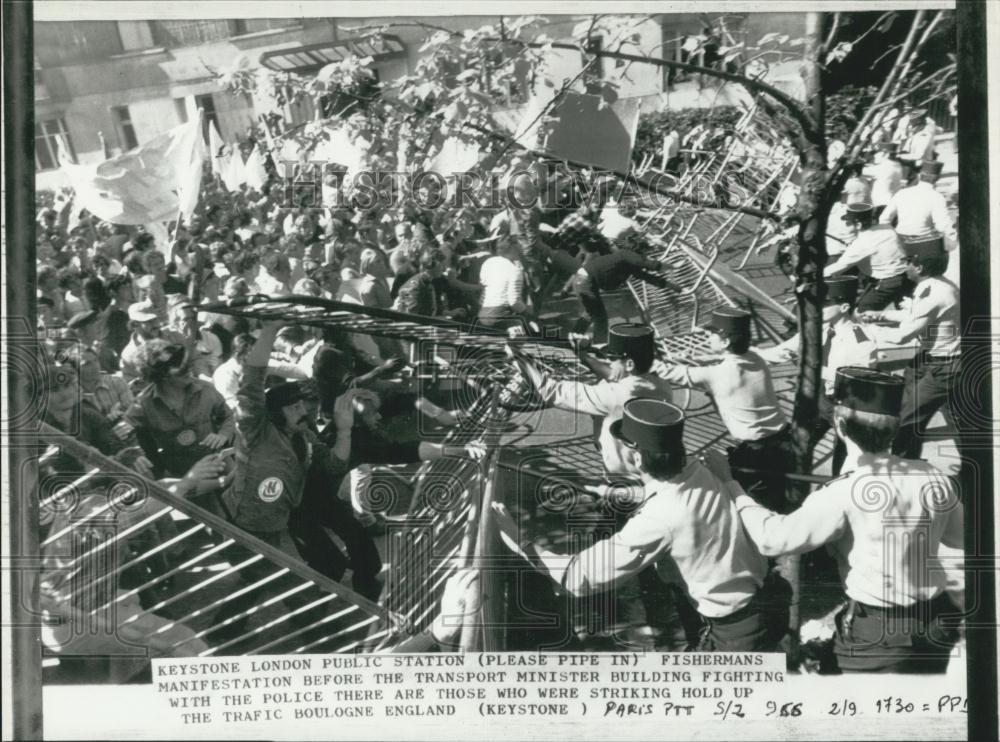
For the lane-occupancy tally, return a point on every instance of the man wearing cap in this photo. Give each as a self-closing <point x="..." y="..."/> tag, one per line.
<point x="846" y="342"/>
<point x="920" y="211"/>
<point x="932" y="317"/>
<point x="177" y="418"/>
<point x="743" y="393"/>
<point x="879" y="257"/>
<point x="886" y="174"/>
<point x="687" y="525"/>
<point x="144" y="322"/>
<point x="207" y="348"/>
<point x="278" y="456"/>
<point x="919" y="143"/>
<point x="631" y="352"/>
<point x="884" y="522"/>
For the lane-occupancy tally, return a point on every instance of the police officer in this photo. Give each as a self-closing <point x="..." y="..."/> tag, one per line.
<point x="932" y="316"/>
<point x="886" y="174"/>
<point x="879" y="257"/>
<point x="846" y="342"/>
<point x="919" y="210"/>
<point x="631" y="352"/>
<point x="884" y="521"/>
<point x="687" y="525"/>
<point x="743" y="392"/>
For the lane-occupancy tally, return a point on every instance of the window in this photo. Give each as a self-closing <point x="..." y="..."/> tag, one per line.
<point x="49" y="137"/>
<point x="126" y="132"/>
<point x="180" y="105"/>
<point x="207" y="104"/>
<point x="135" y="35"/>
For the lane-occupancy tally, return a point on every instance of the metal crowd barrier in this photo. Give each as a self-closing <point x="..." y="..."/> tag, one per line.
<point x="130" y="568"/>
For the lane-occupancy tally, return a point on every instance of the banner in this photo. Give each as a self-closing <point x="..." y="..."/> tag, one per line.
<point x="255" y="174"/>
<point x="151" y="183"/>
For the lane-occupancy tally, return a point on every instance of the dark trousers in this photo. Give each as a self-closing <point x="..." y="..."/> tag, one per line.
<point x="914" y="639"/>
<point x="590" y="297"/>
<point x="930" y="384"/>
<point x="769" y="458"/>
<point x="321" y="509"/>
<point x="824" y="421"/>
<point x="757" y="627"/>
<point x="876" y="295"/>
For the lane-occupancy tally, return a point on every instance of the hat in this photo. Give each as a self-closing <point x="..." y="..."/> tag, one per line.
<point x="917" y="113"/>
<point x="865" y="390"/>
<point x="650" y="425"/>
<point x="931" y="167"/>
<point x="923" y="247"/>
<point x="889" y="146"/>
<point x="854" y="210"/>
<point x="82" y="319"/>
<point x="842" y="290"/>
<point x="285" y="394"/>
<point x="730" y="320"/>
<point x="629" y="339"/>
<point x="907" y="160"/>
<point x="142" y="311"/>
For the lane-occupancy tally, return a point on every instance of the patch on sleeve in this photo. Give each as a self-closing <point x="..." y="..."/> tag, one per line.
<point x="270" y="489"/>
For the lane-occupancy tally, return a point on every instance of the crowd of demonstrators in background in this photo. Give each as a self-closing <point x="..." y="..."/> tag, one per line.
<point x="139" y="370"/>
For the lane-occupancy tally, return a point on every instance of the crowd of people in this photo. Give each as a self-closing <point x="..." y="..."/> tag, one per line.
<point x="269" y="419"/>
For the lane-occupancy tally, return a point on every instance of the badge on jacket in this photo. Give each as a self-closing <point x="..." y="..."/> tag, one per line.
<point x="270" y="489"/>
<point x="187" y="437"/>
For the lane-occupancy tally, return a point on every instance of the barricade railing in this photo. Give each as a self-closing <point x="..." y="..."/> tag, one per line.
<point x="130" y="568"/>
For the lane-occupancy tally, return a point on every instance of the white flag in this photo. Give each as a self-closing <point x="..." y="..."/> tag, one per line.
<point x="256" y="173"/>
<point x="151" y="183"/>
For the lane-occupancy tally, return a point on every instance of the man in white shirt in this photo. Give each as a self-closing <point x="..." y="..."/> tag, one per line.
<point x="920" y="143"/>
<point x="275" y="274"/>
<point x="886" y="174"/>
<point x="845" y="343"/>
<point x="879" y="257"/>
<point x="743" y="393"/>
<point x="631" y="351"/>
<point x="687" y="526"/>
<point x="920" y="211"/>
<point x="932" y="316"/>
<point x="884" y="523"/>
<point x="502" y="278"/>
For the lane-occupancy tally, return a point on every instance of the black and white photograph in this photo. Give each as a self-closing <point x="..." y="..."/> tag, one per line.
<point x="458" y="370"/>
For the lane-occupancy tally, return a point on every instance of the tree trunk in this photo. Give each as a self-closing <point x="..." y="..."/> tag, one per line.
<point x="814" y="208"/>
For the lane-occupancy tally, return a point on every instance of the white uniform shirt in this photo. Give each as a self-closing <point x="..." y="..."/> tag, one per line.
<point x="887" y="179"/>
<point x="743" y="392"/>
<point x="884" y="523"/>
<point x="932" y="315"/>
<point x="689" y="527"/>
<point x="920" y="212"/>
<point x="845" y="343"/>
<point x="605" y="402"/>
<point x="876" y="251"/>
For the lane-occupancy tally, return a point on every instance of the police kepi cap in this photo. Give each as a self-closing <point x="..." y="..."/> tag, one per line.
<point x="931" y="167"/>
<point x="629" y="340"/>
<point x="865" y="390"/>
<point x="842" y="290"/>
<point x="923" y="247"/>
<point x="651" y="425"/>
<point x="856" y="210"/>
<point x="730" y="320"/>
<point x="285" y="394"/>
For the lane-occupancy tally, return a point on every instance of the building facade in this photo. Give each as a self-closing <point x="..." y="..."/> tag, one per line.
<point x="104" y="87"/>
